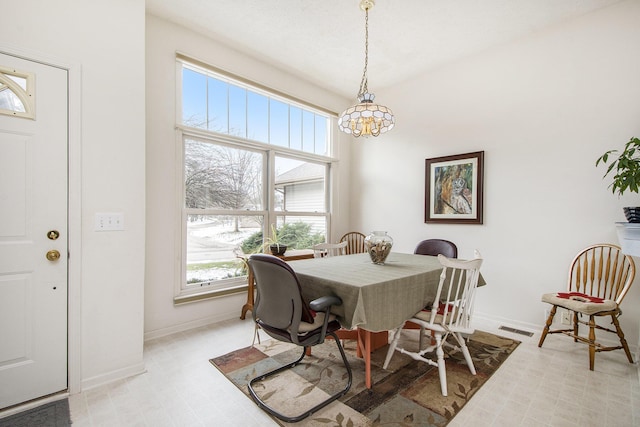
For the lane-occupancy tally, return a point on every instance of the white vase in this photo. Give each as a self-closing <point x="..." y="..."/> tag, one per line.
<point x="378" y="245"/>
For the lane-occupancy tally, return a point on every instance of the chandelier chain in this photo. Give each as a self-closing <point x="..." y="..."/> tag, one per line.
<point x="363" y="82"/>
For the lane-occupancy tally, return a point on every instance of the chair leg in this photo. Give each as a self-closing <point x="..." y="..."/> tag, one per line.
<point x="392" y="346"/>
<point x="465" y="352"/>
<point x="592" y="342"/>
<point x="319" y="406"/>
<point x="623" y="341"/>
<point x="256" y="335"/>
<point x="442" y="370"/>
<point x="575" y="326"/>
<point x="545" y="330"/>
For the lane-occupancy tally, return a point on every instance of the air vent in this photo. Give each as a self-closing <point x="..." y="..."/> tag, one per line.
<point x="516" y="331"/>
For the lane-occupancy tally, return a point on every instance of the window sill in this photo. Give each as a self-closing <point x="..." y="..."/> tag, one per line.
<point x="210" y="294"/>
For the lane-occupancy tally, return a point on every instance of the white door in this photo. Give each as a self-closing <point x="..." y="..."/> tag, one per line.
<point x="33" y="228"/>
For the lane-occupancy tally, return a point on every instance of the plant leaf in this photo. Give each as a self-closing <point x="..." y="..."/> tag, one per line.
<point x="626" y="165"/>
<point x="307" y="390"/>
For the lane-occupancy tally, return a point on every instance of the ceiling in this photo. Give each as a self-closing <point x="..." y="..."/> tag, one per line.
<point x="322" y="41"/>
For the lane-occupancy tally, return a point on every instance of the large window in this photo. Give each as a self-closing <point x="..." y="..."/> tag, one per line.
<point x="256" y="169"/>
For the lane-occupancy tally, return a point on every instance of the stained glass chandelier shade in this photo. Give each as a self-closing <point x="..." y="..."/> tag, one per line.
<point x="366" y="118"/>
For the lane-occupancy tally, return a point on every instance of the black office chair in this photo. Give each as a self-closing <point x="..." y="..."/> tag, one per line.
<point x="282" y="313"/>
<point x="435" y="247"/>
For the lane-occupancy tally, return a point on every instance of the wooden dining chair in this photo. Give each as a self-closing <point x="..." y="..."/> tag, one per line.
<point x="434" y="247"/>
<point x="450" y="317"/>
<point x="322" y="250"/>
<point x="355" y="242"/>
<point x="599" y="278"/>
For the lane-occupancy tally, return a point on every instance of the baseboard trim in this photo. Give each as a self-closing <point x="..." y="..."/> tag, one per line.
<point x="206" y="321"/>
<point x="112" y="376"/>
<point x="536" y="329"/>
<point x="497" y="321"/>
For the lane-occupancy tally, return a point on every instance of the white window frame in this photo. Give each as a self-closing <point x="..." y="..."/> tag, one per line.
<point x="184" y="293"/>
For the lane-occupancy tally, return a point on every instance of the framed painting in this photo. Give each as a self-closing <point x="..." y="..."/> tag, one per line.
<point x="453" y="189"/>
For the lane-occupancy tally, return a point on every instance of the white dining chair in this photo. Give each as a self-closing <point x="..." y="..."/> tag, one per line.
<point x="322" y="250"/>
<point x="450" y="316"/>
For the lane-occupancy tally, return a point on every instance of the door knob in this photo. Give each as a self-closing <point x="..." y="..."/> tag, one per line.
<point x="53" y="255"/>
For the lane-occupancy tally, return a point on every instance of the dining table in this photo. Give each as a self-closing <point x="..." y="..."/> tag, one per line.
<point x="375" y="298"/>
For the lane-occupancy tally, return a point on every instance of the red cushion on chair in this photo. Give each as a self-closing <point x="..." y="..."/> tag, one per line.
<point x="442" y="308"/>
<point x="577" y="296"/>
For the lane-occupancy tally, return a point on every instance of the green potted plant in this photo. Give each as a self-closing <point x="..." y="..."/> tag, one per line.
<point x="626" y="173"/>
<point x="274" y="243"/>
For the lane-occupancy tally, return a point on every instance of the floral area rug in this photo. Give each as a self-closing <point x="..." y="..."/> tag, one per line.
<point x="407" y="393"/>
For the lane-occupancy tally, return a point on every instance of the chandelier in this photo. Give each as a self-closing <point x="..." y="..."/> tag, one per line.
<point x="366" y="118"/>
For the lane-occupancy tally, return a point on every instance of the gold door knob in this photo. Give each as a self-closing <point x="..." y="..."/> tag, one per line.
<point x="53" y="255"/>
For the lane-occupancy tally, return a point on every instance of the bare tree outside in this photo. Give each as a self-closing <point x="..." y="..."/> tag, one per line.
<point x="201" y="175"/>
<point x="219" y="177"/>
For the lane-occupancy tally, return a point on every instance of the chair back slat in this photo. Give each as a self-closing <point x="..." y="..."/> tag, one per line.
<point x="455" y="296"/>
<point x="355" y="242"/>
<point x="609" y="269"/>
<point x="602" y="271"/>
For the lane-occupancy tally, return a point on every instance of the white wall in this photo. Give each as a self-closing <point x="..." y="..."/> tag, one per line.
<point x="543" y="109"/>
<point x="104" y="41"/>
<point x="163" y="197"/>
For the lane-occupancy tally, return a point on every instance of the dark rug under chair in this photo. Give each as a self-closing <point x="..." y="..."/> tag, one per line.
<point x="52" y="414"/>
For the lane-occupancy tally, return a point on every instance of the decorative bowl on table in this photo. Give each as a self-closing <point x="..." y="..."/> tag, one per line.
<point x="378" y="245"/>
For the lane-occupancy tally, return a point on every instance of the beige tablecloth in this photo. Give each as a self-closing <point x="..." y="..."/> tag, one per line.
<point x="374" y="297"/>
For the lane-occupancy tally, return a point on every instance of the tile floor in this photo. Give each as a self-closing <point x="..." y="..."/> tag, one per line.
<point x="551" y="386"/>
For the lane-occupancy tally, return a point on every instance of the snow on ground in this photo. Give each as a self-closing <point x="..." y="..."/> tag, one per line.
<point x="210" y="241"/>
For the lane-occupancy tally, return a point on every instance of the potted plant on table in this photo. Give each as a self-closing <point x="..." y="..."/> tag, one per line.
<point x="626" y="169"/>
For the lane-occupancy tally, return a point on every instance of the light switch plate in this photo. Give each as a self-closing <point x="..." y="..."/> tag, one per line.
<point x="109" y="221"/>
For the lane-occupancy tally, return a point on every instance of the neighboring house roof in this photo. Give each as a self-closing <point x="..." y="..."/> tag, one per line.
<point x="306" y="172"/>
